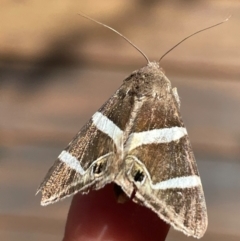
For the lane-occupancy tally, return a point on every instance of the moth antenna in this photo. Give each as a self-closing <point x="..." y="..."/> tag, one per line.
<point x="114" y="30"/>
<point x="199" y="31"/>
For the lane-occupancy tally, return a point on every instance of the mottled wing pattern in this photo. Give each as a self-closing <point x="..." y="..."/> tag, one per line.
<point x="87" y="162"/>
<point x="161" y="164"/>
<point x="137" y="140"/>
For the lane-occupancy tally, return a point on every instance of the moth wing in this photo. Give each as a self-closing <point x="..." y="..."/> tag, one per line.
<point x="88" y="161"/>
<point x="161" y="166"/>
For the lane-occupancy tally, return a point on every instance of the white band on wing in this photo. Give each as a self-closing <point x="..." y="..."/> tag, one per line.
<point x="164" y="135"/>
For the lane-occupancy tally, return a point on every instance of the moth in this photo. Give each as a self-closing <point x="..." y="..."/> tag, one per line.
<point x="137" y="140"/>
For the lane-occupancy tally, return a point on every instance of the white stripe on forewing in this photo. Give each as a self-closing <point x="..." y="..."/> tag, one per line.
<point x="74" y="163"/>
<point x="71" y="161"/>
<point x="164" y="135"/>
<point x="108" y="127"/>
<point x="178" y="182"/>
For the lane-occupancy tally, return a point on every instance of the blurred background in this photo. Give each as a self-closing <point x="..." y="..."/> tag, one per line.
<point x="57" y="69"/>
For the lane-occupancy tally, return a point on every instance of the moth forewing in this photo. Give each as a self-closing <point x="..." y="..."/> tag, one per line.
<point x="160" y="162"/>
<point x="137" y="140"/>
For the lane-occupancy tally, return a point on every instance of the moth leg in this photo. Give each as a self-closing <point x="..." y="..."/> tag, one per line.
<point x="120" y="194"/>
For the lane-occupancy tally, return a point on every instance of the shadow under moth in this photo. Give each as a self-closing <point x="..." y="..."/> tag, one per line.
<point x="137" y="140"/>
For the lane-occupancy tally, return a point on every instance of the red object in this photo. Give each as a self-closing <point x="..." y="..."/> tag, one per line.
<point x="97" y="216"/>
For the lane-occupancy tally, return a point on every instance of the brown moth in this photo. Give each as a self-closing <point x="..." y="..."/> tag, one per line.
<point x="137" y="140"/>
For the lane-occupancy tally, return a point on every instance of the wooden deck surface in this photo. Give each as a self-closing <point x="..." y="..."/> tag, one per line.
<point x="57" y="69"/>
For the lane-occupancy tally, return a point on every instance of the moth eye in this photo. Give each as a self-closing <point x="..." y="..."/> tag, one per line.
<point x="139" y="176"/>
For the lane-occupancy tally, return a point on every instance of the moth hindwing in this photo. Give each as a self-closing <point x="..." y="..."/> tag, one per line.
<point x="137" y="139"/>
